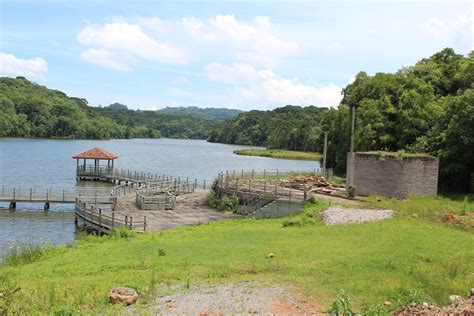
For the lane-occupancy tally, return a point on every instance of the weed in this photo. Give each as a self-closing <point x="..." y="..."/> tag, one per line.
<point x="342" y="306"/>
<point x="121" y="233"/>
<point x="8" y="288"/>
<point x="403" y="298"/>
<point x="21" y="253"/>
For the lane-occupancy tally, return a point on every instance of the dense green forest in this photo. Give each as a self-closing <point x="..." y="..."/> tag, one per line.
<point x="428" y="107"/>
<point x="218" y="114"/>
<point x="169" y="125"/>
<point x="31" y="110"/>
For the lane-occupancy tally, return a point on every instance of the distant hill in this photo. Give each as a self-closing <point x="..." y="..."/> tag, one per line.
<point x="31" y="110"/>
<point x="218" y="114"/>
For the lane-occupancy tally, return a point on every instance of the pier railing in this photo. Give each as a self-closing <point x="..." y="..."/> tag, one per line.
<point x="106" y="220"/>
<point x="124" y="175"/>
<point x="53" y="195"/>
<point x="256" y="189"/>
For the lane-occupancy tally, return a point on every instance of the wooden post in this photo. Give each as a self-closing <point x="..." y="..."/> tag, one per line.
<point x="144" y="224"/>
<point x="204" y="184"/>
<point x="131" y="220"/>
<point x="100" y="220"/>
<point x="325" y="152"/>
<point x="31" y="193"/>
<point x="113" y="220"/>
<point x="227" y="179"/>
<point x="237" y="185"/>
<point x="126" y="220"/>
<point x="14" y="193"/>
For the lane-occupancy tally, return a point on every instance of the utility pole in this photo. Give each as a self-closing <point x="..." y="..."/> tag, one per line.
<point x="352" y="128"/>
<point x="351" y="175"/>
<point x="325" y="150"/>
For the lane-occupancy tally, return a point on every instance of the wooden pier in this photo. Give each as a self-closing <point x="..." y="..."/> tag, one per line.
<point x="143" y="201"/>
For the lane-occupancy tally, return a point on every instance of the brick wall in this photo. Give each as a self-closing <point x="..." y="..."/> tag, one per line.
<point x="392" y="177"/>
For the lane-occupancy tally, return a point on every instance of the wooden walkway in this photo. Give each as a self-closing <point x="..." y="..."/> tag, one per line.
<point x="14" y="195"/>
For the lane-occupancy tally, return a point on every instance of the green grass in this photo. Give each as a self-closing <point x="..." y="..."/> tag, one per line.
<point x="371" y="262"/>
<point x="430" y="208"/>
<point x="278" y="153"/>
<point x="397" y="154"/>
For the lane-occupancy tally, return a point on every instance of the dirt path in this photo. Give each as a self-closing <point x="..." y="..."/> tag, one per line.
<point x="249" y="298"/>
<point x="190" y="209"/>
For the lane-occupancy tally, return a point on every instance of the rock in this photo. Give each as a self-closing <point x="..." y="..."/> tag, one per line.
<point x="455" y="298"/>
<point x="120" y="294"/>
<point x="387" y="303"/>
<point x="271" y="255"/>
<point x="472" y="292"/>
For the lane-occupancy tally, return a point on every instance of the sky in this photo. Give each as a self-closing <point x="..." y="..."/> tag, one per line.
<point x="236" y="54"/>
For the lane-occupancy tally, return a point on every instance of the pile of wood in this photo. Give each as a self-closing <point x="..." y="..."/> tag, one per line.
<point x="316" y="184"/>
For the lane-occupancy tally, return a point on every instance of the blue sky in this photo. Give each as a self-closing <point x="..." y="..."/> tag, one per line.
<point x="238" y="54"/>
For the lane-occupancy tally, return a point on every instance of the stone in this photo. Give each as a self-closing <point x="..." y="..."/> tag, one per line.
<point x="472" y="292"/>
<point x="387" y="303"/>
<point x="455" y="298"/>
<point x="120" y="294"/>
<point x="271" y="255"/>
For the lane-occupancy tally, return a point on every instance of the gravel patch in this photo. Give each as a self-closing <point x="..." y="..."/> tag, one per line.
<point x="246" y="298"/>
<point x="339" y="215"/>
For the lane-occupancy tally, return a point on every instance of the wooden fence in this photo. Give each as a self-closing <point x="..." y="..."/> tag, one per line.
<point x="106" y="220"/>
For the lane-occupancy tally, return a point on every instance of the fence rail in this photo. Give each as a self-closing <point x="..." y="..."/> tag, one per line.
<point x="124" y="175"/>
<point x="106" y="220"/>
<point x="53" y="195"/>
<point x="256" y="189"/>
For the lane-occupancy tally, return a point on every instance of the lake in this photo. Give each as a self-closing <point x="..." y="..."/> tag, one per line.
<point x="49" y="163"/>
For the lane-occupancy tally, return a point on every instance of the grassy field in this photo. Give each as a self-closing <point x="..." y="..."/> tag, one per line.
<point x="278" y="153"/>
<point x="372" y="262"/>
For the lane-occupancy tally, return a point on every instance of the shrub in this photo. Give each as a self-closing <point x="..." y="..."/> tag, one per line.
<point x="227" y="203"/>
<point x="121" y="233"/>
<point x="342" y="306"/>
<point x="25" y="252"/>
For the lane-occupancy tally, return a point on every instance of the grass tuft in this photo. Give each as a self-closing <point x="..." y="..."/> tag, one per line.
<point x="279" y="153"/>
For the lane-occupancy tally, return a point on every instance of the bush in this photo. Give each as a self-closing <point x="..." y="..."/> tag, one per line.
<point x="224" y="204"/>
<point x="121" y="233"/>
<point x="25" y="252"/>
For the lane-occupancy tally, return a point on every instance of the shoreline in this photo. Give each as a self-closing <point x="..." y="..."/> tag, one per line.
<point x="279" y="154"/>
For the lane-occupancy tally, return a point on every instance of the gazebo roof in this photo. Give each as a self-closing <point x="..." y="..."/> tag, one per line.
<point x="96" y="153"/>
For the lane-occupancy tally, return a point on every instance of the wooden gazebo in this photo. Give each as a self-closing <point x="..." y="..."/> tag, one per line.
<point x="85" y="170"/>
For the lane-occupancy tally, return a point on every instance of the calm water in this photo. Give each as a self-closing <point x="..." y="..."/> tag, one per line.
<point x="48" y="163"/>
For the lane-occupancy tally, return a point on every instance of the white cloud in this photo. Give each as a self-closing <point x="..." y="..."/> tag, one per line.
<point x="254" y="86"/>
<point x="255" y="43"/>
<point x="127" y="42"/>
<point x="34" y="68"/>
<point x="457" y="32"/>
<point x="435" y="27"/>
<point x="105" y="59"/>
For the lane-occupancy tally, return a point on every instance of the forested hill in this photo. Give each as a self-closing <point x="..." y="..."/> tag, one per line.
<point x="169" y="125"/>
<point x="31" y="110"/>
<point x="428" y="107"/>
<point x="290" y="127"/>
<point x="218" y="114"/>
